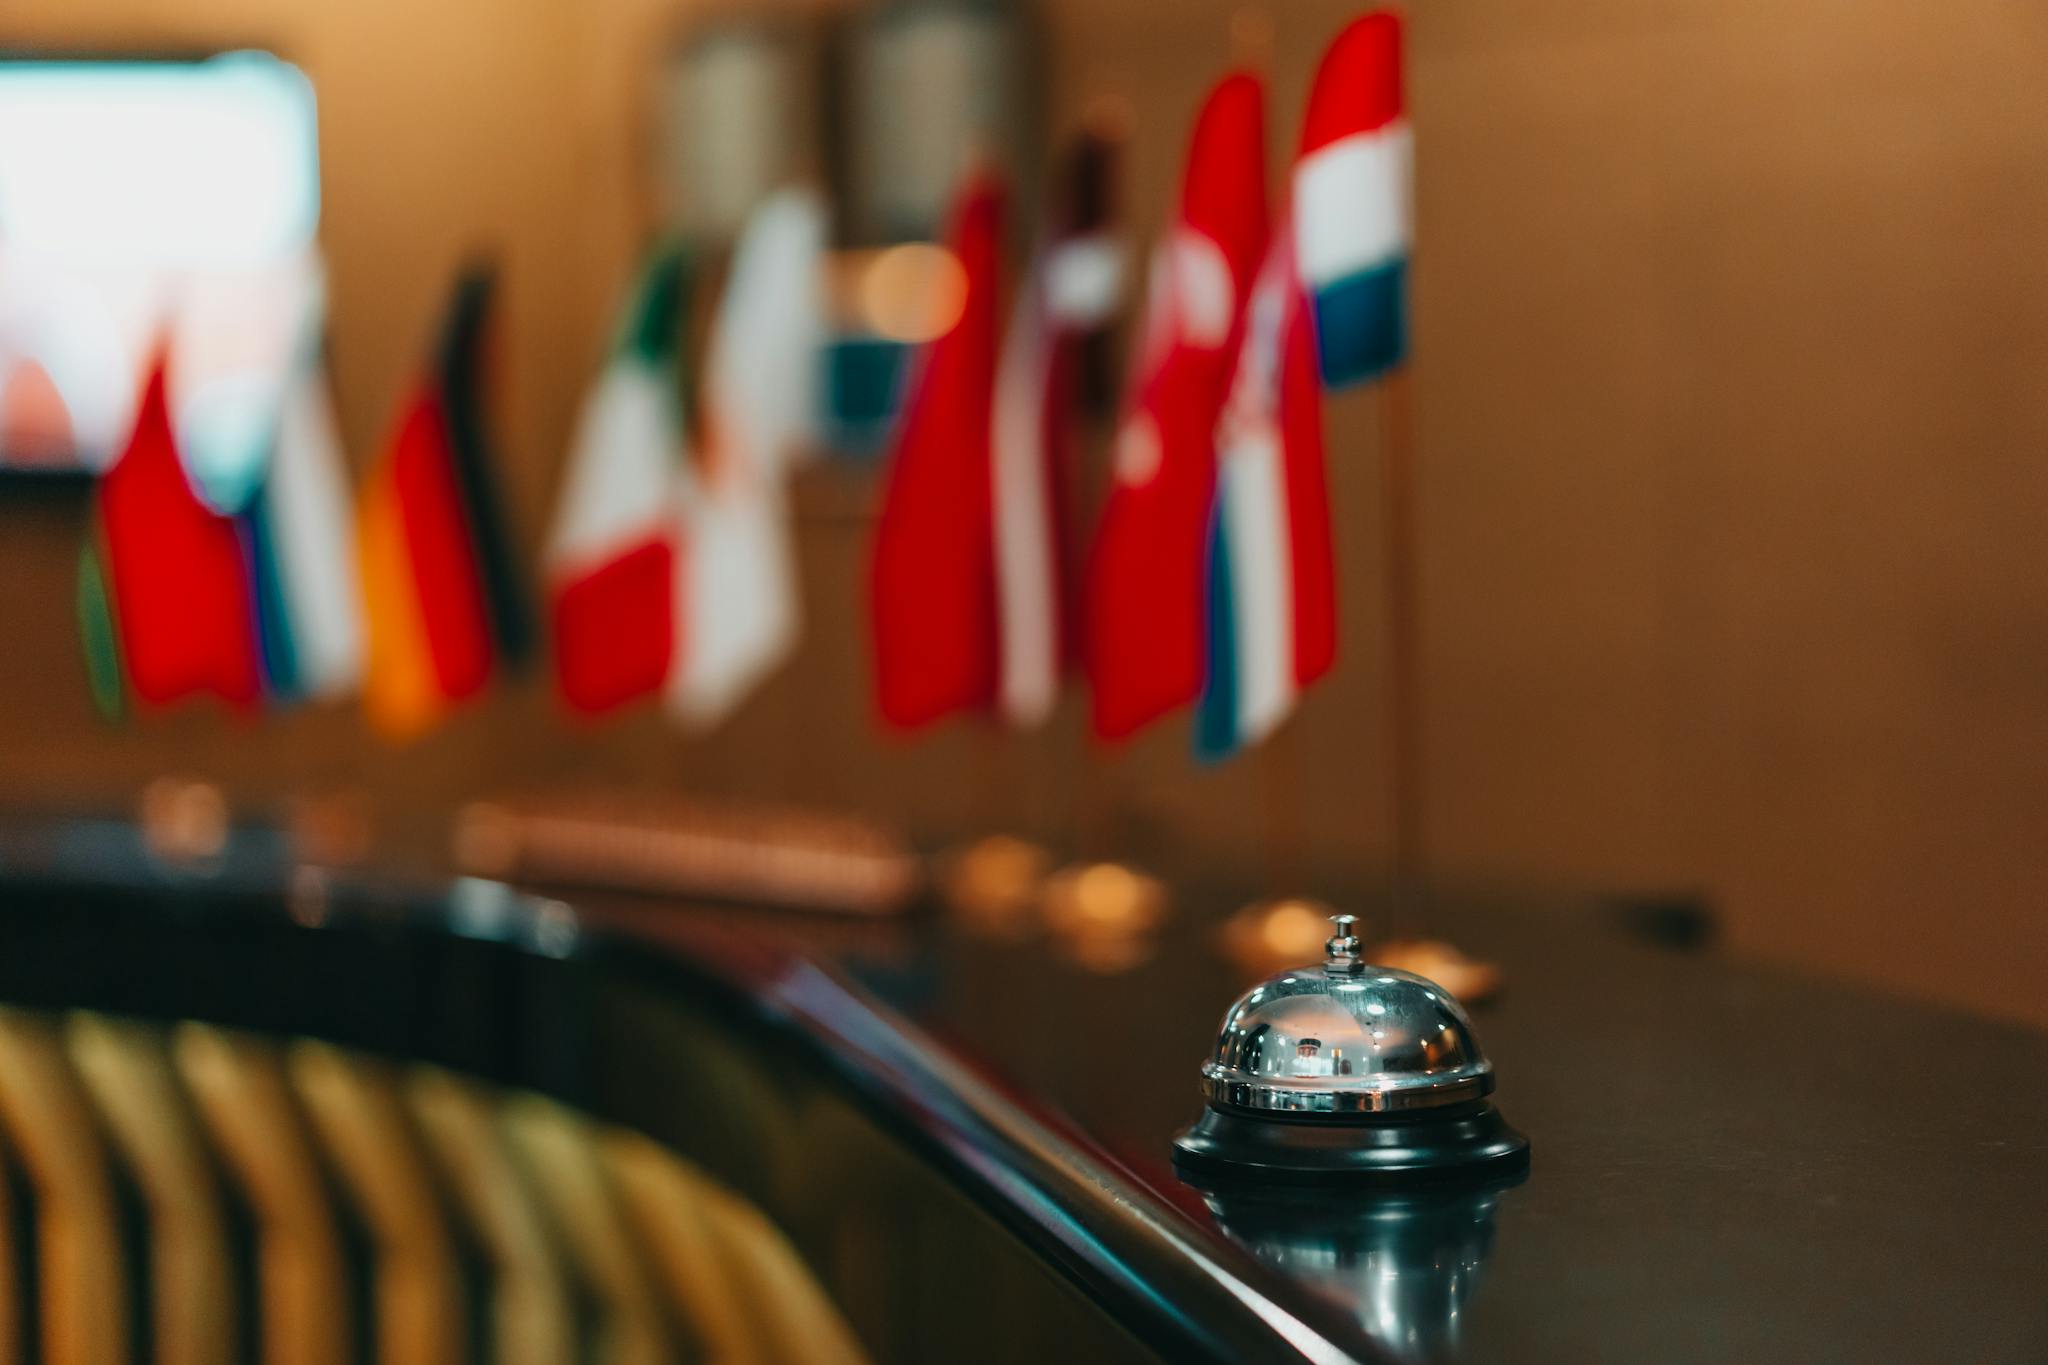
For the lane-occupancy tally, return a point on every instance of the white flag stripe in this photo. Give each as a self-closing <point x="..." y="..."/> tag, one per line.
<point x="738" y="577"/>
<point x="1084" y="279"/>
<point x="1353" y="204"/>
<point x="1204" y="290"/>
<point x="1255" y="515"/>
<point x="763" y="369"/>
<point x="1026" y="612"/>
<point x="315" y="539"/>
<point x="1252" y="502"/>
<point x="737" y="601"/>
<point x="621" y="469"/>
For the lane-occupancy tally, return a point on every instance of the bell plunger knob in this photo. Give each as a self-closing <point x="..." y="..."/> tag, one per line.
<point x="1343" y="949"/>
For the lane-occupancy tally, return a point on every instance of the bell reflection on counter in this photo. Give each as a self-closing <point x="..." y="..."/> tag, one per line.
<point x="1347" y="1072"/>
<point x="1406" y="1263"/>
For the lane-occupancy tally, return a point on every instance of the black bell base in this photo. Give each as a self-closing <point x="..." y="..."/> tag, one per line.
<point x="1451" y="1143"/>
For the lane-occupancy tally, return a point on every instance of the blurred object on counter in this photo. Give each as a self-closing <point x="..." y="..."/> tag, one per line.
<point x="930" y="86"/>
<point x="1270" y="935"/>
<point x="1103" y="915"/>
<point x="183" y="820"/>
<point x="330" y="829"/>
<point x="1471" y="981"/>
<point x="1678" y="921"/>
<point x="863" y="383"/>
<point x="911" y="293"/>
<point x="881" y="303"/>
<point x="757" y="854"/>
<point x="995" y="885"/>
<point x="730" y="108"/>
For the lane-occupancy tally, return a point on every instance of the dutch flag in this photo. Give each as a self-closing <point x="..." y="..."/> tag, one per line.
<point x="1353" y="202"/>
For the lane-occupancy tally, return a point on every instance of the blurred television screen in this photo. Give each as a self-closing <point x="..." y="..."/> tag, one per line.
<point x="150" y="203"/>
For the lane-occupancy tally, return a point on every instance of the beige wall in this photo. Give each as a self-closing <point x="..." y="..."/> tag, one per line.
<point x="1732" y="326"/>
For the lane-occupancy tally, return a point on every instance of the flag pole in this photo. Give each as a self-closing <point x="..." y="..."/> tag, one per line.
<point x="1280" y="768"/>
<point x="1251" y="43"/>
<point x="1402" y="715"/>
<point x="1409" y="914"/>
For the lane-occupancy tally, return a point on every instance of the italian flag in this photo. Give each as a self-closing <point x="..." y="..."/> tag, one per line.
<point x="1353" y="202"/>
<point x="613" y="556"/>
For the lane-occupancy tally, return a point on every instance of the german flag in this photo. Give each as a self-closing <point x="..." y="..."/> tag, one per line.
<point x="441" y="587"/>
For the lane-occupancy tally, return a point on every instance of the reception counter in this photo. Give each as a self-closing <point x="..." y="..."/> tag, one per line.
<point x="910" y="1140"/>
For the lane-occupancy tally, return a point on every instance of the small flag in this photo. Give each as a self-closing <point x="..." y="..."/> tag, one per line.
<point x="613" y="555"/>
<point x="309" y="591"/>
<point x="165" y="596"/>
<point x="1146" y="632"/>
<point x="739" y="599"/>
<point x="430" y="635"/>
<point x="463" y="373"/>
<point x="442" y="603"/>
<point x="1067" y="296"/>
<point x="97" y="632"/>
<point x="1353" y="202"/>
<point x="1271" y="574"/>
<point x="932" y="581"/>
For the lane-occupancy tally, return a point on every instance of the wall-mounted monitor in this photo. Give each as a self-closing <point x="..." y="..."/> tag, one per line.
<point x="148" y="203"/>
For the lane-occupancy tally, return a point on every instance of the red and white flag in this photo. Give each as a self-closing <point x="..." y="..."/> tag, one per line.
<point x="932" y="590"/>
<point x="1068" y="294"/>
<point x="1272" y="598"/>
<point x="1146" y="633"/>
<point x="1354" y="202"/>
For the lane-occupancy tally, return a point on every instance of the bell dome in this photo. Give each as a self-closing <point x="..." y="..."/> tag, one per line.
<point x="1346" y="1070"/>
<point x="1323" y="1040"/>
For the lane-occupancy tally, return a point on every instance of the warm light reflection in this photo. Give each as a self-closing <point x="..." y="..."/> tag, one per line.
<point x="1268" y="935"/>
<point x="183" y="820"/>
<point x="993" y="884"/>
<point x="1102" y="915"/>
<point x="1466" y="979"/>
<point x="912" y="293"/>
<point x="333" y="829"/>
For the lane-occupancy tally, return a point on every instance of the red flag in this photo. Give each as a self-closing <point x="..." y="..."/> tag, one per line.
<point x="1146" y="629"/>
<point x="183" y="602"/>
<point x="1062" y="306"/>
<point x="932" y="587"/>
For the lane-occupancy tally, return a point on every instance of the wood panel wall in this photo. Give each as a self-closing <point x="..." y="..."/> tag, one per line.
<point x="1732" y="329"/>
